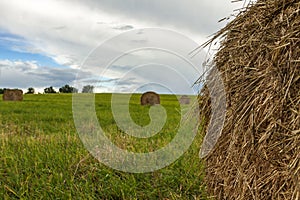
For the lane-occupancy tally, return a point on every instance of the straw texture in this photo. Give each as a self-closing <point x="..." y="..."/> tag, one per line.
<point x="258" y="153"/>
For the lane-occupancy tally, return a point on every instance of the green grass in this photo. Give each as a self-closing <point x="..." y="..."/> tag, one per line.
<point x="42" y="157"/>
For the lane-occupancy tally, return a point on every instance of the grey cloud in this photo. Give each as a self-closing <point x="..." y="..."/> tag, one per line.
<point x="124" y="28"/>
<point x="99" y="81"/>
<point x="60" y="76"/>
<point x="139" y="41"/>
<point x="140" y="32"/>
<point x="59" y="27"/>
<point x="119" y="68"/>
<point x="198" y="16"/>
<point x="26" y="74"/>
<point x="72" y="43"/>
<point x="127" y="82"/>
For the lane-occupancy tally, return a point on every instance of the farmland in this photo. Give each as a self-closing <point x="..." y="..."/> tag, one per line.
<point x="42" y="156"/>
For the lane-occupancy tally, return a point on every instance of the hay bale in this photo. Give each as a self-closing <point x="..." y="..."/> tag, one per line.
<point x="258" y="153"/>
<point x="12" y="95"/>
<point x="150" y="98"/>
<point x="184" y="100"/>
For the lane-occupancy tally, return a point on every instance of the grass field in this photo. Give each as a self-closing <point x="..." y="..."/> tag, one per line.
<point x="42" y="157"/>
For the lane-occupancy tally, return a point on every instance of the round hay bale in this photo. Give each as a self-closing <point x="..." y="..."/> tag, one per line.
<point x="150" y="98"/>
<point x="185" y="100"/>
<point x="12" y="95"/>
<point x="258" y="153"/>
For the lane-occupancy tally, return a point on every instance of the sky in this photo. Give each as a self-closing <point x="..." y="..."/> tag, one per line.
<point x="116" y="45"/>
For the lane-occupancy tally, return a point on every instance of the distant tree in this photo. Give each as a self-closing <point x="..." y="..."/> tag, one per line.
<point x="49" y="90"/>
<point x="1" y="90"/>
<point x="68" y="89"/>
<point x="30" y="90"/>
<point x="88" y="89"/>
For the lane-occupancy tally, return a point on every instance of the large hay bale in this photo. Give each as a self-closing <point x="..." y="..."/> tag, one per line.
<point x="12" y="95"/>
<point x="185" y="100"/>
<point x="150" y="98"/>
<point x="258" y="153"/>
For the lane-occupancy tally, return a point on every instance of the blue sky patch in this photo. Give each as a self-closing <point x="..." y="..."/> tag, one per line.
<point x="9" y="45"/>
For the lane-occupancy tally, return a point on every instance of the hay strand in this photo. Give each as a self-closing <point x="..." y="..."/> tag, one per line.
<point x="258" y="153"/>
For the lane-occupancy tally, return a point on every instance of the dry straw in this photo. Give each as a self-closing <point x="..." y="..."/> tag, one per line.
<point x="258" y="153"/>
<point x="150" y="98"/>
<point x="12" y="95"/>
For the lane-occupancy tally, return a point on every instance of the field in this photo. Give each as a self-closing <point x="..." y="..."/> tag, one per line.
<point x="42" y="157"/>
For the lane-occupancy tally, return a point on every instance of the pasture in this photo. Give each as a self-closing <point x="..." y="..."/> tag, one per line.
<point x="42" y="157"/>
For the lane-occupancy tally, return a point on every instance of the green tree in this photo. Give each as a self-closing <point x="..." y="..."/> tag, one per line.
<point x="68" y="89"/>
<point x="88" y="89"/>
<point x="2" y="90"/>
<point x="49" y="90"/>
<point x="30" y="90"/>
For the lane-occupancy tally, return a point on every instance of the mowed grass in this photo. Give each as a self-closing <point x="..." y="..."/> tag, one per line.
<point x="42" y="156"/>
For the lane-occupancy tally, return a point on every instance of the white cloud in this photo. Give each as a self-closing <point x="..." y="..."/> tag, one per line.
<point x="67" y="31"/>
<point x="24" y="74"/>
<point x="74" y="28"/>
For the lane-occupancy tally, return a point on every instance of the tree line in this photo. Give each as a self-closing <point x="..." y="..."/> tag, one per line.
<point x="63" y="89"/>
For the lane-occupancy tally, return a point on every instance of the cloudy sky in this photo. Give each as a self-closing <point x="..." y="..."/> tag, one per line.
<point x="115" y="45"/>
